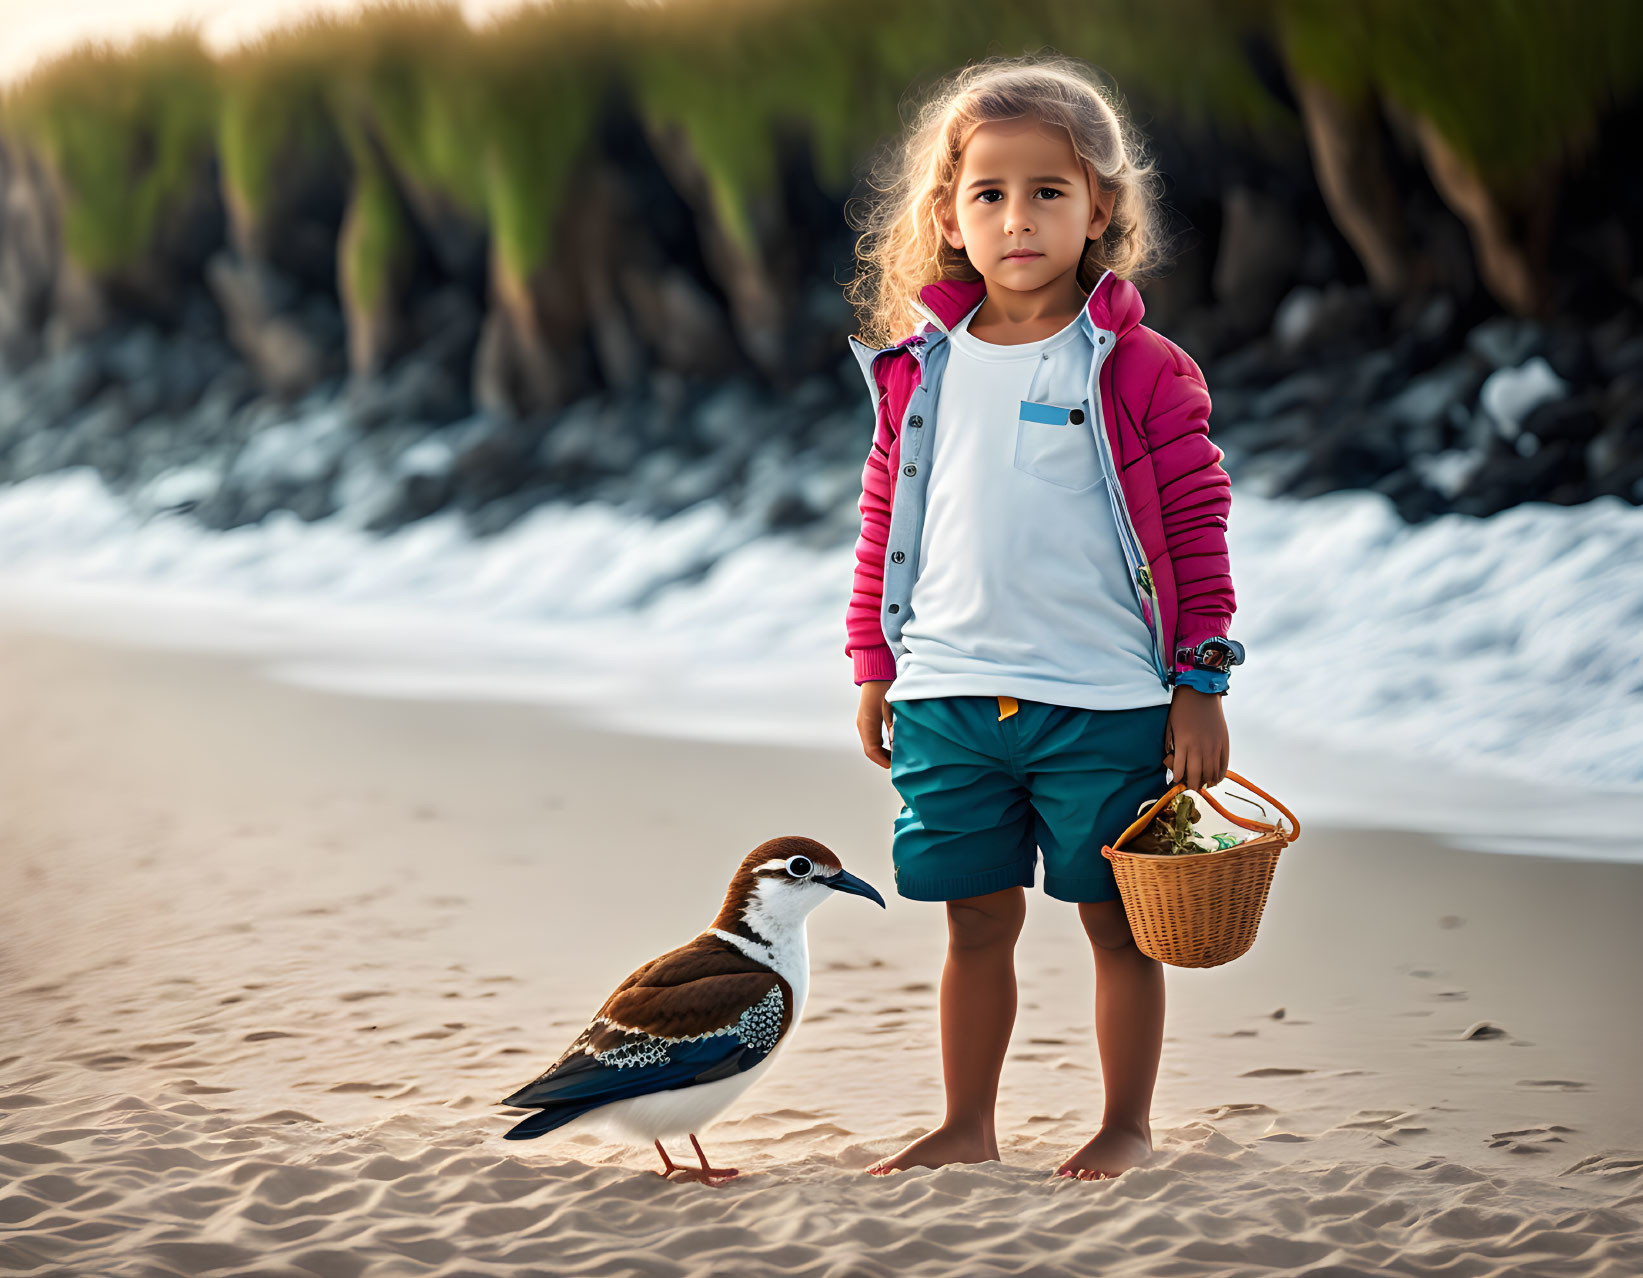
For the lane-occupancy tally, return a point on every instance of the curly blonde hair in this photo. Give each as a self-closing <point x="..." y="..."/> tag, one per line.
<point x="902" y="247"/>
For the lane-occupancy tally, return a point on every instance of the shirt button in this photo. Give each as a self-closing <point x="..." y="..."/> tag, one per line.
<point x="1076" y="417"/>
<point x="909" y="469"/>
<point x="898" y="557"/>
<point x="915" y="421"/>
<point x="895" y="607"/>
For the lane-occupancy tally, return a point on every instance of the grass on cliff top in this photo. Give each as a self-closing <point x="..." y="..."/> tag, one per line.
<point x="494" y="120"/>
<point x="1511" y="84"/>
<point x="126" y="131"/>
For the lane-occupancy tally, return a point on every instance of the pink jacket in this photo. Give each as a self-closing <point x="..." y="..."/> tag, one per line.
<point x="1171" y="501"/>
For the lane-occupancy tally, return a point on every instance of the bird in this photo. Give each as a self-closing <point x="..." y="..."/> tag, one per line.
<point x="687" y="1033"/>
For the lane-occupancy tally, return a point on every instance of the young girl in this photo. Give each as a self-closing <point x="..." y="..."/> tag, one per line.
<point x="1042" y="590"/>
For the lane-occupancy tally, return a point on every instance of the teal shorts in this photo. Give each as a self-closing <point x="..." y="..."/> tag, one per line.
<point x="981" y="793"/>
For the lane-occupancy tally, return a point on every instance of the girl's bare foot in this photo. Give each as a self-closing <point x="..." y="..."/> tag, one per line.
<point x="944" y="1145"/>
<point x="1111" y="1150"/>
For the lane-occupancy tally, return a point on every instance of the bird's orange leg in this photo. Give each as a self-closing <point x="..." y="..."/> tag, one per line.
<point x="668" y="1165"/>
<point x="708" y="1173"/>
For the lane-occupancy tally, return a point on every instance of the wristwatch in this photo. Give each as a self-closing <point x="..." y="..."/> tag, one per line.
<point x="1213" y="653"/>
<point x="1211" y="661"/>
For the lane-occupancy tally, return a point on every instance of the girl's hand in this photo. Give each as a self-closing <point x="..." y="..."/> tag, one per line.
<point x="875" y="721"/>
<point x="1195" y="738"/>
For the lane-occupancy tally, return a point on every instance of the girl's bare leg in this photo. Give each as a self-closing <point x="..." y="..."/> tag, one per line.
<point x="1129" y="1033"/>
<point x="978" y="1000"/>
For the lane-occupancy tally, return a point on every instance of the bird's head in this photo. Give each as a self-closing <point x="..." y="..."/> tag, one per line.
<point x="779" y="882"/>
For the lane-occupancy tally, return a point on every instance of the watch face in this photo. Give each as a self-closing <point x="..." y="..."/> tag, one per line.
<point x="1212" y="654"/>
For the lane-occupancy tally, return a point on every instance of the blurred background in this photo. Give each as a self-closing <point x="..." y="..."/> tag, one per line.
<point x="499" y="351"/>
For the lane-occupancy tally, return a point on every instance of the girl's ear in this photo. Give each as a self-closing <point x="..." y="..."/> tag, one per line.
<point x="1101" y="203"/>
<point x="948" y="223"/>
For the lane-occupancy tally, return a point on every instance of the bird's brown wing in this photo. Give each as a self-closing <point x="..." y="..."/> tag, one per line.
<point x="704" y="990"/>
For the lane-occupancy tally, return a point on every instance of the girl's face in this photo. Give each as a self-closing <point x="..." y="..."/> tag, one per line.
<point x="1023" y="205"/>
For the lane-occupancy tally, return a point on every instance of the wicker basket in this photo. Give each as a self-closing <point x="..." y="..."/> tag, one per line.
<point x="1199" y="909"/>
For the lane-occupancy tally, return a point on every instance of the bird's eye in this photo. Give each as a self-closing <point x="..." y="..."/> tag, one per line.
<point x="799" y="866"/>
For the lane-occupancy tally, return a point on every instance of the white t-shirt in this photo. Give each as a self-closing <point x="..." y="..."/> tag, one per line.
<point x="1022" y="588"/>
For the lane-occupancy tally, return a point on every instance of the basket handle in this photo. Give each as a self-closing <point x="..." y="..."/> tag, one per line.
<point x="1140" y="822"/>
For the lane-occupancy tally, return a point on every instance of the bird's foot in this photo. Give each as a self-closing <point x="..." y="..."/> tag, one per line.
<point x="712" y="1176"/>
<point x="703" y="1175"/>
<point x="938" y="1148"/>
<point x="1111" y="1150"/>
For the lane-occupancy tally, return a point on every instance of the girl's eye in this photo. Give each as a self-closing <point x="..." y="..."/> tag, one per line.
<point x="799" y="866"/>
<point x="992" y="190"/>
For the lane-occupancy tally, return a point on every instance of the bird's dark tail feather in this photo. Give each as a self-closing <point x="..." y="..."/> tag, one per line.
<point x="545" y="1121"/>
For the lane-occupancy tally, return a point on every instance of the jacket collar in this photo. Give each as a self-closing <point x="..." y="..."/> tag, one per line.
<point x="1114" y="304"/>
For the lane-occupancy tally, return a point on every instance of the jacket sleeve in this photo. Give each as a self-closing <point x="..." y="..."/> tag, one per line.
<point x="1195" y="496"/>
<point x="865" y="644"/>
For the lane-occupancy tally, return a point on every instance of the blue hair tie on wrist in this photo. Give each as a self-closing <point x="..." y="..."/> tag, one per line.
<point x="1203" y="680"/>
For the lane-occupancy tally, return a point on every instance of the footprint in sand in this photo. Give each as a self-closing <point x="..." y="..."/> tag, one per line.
<point x="1610" y="1164"/>
<point x="109" y="1060"/>
<point x="188" y="1087"/>
<point x="1274" y="1071"/>
<point x="1385" y="1123"/>
<point x="1530" y="1140"/>
<point x="1372" y="1118"/>
<point x="1246" y="1109"/>
<point x="1555" y="1084"/>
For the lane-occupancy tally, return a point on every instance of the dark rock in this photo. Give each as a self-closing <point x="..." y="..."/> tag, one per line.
<point x="1504" y="342"/>
<point x="488" y="459"/>
<point x="1618" y="447"/>
<point x="1508" y="479"/>
<point x="1258" y="259"/>
<point x="261" y="309"/>
<point x="1575" y="420"/>
<point x="1353" y="452"/>
<point x="1415" y="500"/>
<point x="1373" y="377"/>
<point x="1570" y="355"/>
<point x="1429" y="398"/>
<point x="1311" y="321"/>
<point x="1310" y="388"/>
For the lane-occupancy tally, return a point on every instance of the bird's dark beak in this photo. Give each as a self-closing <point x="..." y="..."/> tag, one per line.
<point x="844" y="881"/>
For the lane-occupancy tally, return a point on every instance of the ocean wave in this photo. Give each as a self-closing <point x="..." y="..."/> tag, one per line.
<point x="1502" y="645"/>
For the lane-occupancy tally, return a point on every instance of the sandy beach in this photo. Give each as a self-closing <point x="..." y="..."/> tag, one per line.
<point x="268" y="957"/>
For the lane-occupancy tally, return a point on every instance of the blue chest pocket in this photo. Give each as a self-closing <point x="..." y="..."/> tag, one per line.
<point x="1055" y="443"/>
